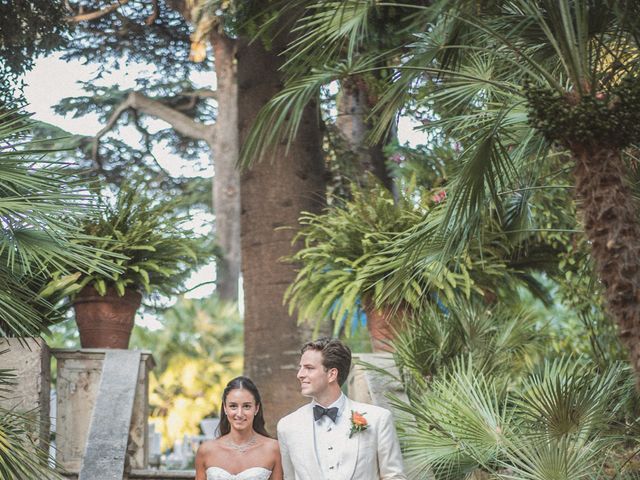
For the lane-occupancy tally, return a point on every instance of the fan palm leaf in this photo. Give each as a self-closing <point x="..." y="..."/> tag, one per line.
<point x="37" y="196"/>
<point x="559" y="425"/>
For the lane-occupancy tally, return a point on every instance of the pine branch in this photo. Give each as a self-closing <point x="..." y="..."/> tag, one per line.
<point x="180" y="122"/>
<point x="95" y="15"/>
<point x="154" y="14"/>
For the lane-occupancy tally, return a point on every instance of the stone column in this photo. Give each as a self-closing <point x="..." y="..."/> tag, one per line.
<point x="369" y="385"/>
<point x="78" y="380"/>
<point x="29" y="358"/>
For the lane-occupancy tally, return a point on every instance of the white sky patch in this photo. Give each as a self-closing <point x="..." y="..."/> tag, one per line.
<point x="50" y="81"/>
<point x="177" y="166"/>
<point x="407" y="132"/>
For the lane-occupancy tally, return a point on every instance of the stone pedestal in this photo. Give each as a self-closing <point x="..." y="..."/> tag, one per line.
<point x="370" y="384"/>
<point x="29" y="358"/>
<point x="78" y="380"/>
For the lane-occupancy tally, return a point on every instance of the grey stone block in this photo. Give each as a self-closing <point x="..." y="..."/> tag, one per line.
<point x="79" y="376"/>
<point x="106" y="448"/>
<point x="30" y="359"/>
<point x="371" y="385"/>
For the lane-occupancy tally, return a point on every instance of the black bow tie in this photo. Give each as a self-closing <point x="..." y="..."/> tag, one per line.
<point x="319" y="411"/>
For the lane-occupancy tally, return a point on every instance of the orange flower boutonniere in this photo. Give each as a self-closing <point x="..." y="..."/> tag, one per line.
<point x="358" y="423"/>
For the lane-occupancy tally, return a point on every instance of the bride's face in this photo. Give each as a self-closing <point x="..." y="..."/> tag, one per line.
<point x="240" y="408"/>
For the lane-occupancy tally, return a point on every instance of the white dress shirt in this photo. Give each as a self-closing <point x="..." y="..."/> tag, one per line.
<point x="330" y="439"/>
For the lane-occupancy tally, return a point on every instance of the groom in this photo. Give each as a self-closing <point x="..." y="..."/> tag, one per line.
<point x="333" y="437"/>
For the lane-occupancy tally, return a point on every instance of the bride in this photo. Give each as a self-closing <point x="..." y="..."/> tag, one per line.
<point x="244" y="450"/>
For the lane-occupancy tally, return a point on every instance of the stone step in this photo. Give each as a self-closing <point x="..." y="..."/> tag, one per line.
<point x="148" y="475"/>
<point x="164" y="475"/>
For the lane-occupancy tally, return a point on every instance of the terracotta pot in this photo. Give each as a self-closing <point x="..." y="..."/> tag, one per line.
<point x="382" y="324"/>
<point x="105" y="321"/>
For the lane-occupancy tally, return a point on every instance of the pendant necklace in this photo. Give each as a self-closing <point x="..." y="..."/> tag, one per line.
<point x="243" y="447"/>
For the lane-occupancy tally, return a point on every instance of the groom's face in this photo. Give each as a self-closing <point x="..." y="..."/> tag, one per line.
<point x="313" y="377"/>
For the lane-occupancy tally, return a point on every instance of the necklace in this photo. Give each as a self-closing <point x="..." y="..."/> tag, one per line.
<point x="242" y="447"/>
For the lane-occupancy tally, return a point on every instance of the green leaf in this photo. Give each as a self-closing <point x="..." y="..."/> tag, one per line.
<point x="101" y="286"/>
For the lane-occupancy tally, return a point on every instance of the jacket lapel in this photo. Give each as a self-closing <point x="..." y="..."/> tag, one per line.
<point x="350" y="455"/>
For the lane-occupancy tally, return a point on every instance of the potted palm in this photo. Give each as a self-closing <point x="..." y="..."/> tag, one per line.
<point x="346" y="259"/>
<point x="148" y="241"/>
<point x="367" y="254"/>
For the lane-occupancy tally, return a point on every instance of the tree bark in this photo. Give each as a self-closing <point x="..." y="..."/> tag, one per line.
<point x="273" y="194"/>
<point x="226" y="182"/>
<point x="354" y="106"/>
<point x="611" y="225"/>
<point x="225" y="148"/>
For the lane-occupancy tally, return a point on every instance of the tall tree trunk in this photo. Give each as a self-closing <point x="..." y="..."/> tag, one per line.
<point x="611" y="225"/>
<point x="224" y="142"/>
<point x="354" y="106"/>
<point x="273" y="194"/>
<point x="226" y="182"/>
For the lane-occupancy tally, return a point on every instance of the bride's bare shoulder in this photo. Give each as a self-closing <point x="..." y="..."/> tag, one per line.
<point x="271" y="444"/>
<point x="208" y="446"/>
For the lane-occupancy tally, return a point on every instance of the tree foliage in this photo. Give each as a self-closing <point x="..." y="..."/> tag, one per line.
<point x="123" y="35"/>
<point x="21" y="455"/>
<point x="28" y="29"/>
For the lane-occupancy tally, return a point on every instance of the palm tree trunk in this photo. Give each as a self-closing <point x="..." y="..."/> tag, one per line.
<point x="354" y="107"/>
<point x="612" y="226"/>
<point x="273" y="195"/>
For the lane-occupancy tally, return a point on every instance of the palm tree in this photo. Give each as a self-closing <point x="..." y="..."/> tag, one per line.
<point x="522" y="86"/>
<point x="36" y="195"/>
<point x="562" y="422"/>
<point x="502" y="340"/>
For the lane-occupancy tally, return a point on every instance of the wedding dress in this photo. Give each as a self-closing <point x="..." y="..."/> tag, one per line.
<point x="253" y="473"/>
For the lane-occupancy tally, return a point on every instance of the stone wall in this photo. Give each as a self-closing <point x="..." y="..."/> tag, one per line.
<point x="30" y="359"/>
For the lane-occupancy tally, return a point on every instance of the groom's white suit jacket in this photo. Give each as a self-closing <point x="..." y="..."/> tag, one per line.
<point x="371" y="454"/>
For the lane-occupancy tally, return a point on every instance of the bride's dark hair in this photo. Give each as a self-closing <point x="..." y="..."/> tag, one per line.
<point x="258" y="421"/>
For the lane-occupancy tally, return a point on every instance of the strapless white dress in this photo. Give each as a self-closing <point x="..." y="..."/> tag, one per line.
<point x="253" y="473"/>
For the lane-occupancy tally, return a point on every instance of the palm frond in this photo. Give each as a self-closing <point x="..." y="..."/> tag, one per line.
<point x="556" y="427"/>
<point x="332" y="29"/>
<point x="279" y="120"/>
<point x="37" y="197"/>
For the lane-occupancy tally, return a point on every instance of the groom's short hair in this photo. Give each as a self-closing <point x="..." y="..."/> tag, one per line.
<point x="335" y="354"/>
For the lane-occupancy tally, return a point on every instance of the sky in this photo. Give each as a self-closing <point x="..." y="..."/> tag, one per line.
<point x="52" y="79"/>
